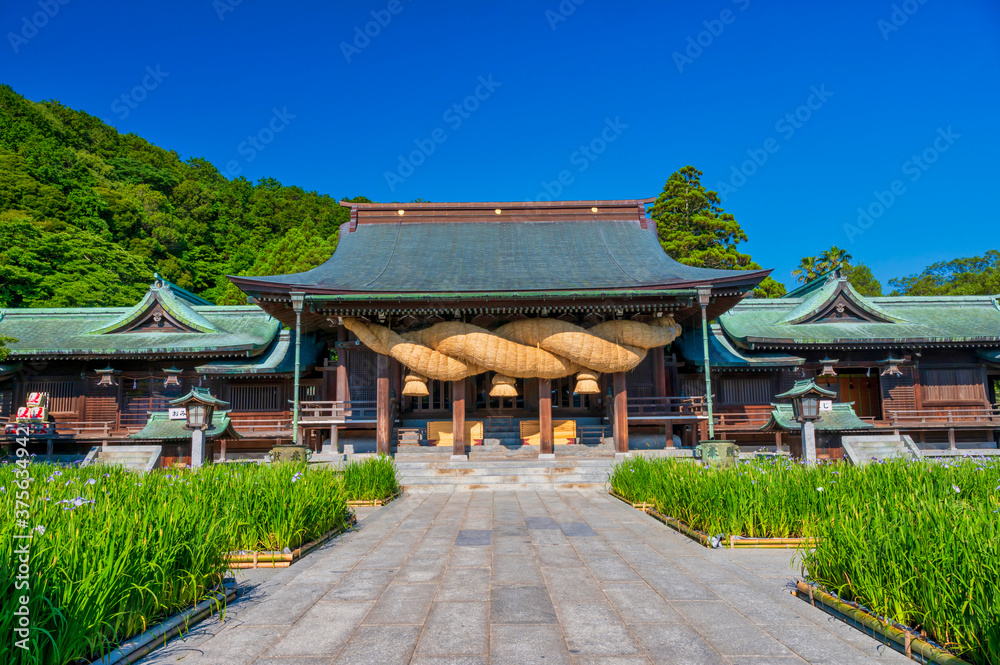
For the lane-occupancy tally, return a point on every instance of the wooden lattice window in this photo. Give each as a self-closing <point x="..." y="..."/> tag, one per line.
<point x="952" y="385"/>
<point x="255" y="397"/>
<point x="692" y="385"/>
<point x="361" y="373"/>
<point x="748" y="389"/>
<point x="62" y="394"/>
<point x="563" y="396"/>
<point x="639" y="381"/>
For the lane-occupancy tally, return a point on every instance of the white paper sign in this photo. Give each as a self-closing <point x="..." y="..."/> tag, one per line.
<point x="826" y="405"/>
<point x="177" y="414"/>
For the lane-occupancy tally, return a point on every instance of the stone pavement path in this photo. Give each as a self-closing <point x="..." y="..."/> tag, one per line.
<point x="523" y="577"/>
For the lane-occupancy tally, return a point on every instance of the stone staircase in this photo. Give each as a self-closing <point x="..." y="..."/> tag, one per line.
<point x="133" y="458"/>
<point x="863" y="449"/>
<point x="433" y="472"/>
<point x="504" y="432"/>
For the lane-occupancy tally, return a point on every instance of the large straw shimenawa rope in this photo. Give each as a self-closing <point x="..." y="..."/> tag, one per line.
<point x="542" y="348"/>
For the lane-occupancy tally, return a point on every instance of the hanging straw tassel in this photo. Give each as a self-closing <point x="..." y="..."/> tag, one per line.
<point x="503" y="386"/>
<point x="416" y="386"/>
<point x="586" y="383"/>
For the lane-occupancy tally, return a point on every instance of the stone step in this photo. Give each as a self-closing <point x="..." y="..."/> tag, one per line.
<point x="503" y="477"/>
<point x="540" y="477"/>
<point x="499" y="471"/>
<point x="426" y="489"/>
<point x="503" y="480"/>
<point x="506" y="465"/>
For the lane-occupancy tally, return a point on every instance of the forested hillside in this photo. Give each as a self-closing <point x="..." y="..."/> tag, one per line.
<point x="88" y="214"/>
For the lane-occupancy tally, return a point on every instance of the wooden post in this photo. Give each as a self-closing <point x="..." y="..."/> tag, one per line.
<point x="545" y="417"/>
<point x="659" y="372"/>
<point x="334" y="440"/>
<point x="342" y="394"/>
<point x="458" y="418"/>
<point x="383" y="426"/>
<point x="951" y="439"/>
<point x="620" y="425"/>
<point x="777" y="441"/>
<point x="222" y="450"/>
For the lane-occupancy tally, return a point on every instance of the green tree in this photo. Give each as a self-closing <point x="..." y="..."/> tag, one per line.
<point x="88" y="214"/>
<point x="808" y="269"/>
<point x="695" y="230"/>
<point x="863" y="280"/>
<point x="834" y="258"/>
<point x="972" y="276"/>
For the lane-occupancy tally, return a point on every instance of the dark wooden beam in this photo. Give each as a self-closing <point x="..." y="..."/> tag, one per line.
<point x="384" y="427"/>
<point x="343" y="392"/>
<point x="659" y="372"/>
<point x="620" y="425"/>
<point x="458" y="417"/>
<point x="545" y="415"/>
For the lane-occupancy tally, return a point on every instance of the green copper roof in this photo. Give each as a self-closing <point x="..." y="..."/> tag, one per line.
<point x="894" y="320"/>
<point x="810" y="286"/>
<point x="279" y="359"/>
<point x="440" y="255"/>
<point x="815" y="302"/>
<point x="160" y="428"/>
<point x="723" y="355"/>
<point x="841" y="419"/>
<point x="989" y="355"/>
<point x="804" y="387"/>
<point x="199" y="330"/>
<point x="160" y="293"/>
<point x="200" y="395"/>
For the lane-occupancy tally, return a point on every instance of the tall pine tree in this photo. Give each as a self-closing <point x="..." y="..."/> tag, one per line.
<point x="695" y="230"/>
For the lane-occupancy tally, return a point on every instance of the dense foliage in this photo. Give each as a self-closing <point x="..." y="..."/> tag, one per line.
<point x="695" y="230"/>
<point x="762" y="499"/>
<point x="860" y="276"/>
<point x="914" y="541"/>
<point x="374" y="478"/>
<point x="972" y="276"/>
<point x="113" y="552"/>
<point x="89" y="214"/>
<point x="863" y="280"/>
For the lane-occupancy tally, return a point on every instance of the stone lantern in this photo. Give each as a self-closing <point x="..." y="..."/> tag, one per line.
<point x="199" y="406"/>
<point x="805" y="397"/>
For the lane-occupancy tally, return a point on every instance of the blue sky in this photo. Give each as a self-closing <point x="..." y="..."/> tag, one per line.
<point x="800" y="113"/>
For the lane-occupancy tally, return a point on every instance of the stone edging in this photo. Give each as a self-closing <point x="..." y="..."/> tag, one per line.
<point x="141" y="645"/>
<point x="903" y="639"/>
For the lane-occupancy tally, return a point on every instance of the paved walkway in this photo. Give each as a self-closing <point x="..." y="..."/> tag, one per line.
<point x="523" y="578"/>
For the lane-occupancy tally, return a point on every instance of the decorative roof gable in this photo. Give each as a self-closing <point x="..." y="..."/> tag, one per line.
<point x="837" y="302"/>
<point x="162" y="310"/>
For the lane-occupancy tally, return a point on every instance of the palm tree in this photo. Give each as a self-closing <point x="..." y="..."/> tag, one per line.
<point x="808" y="269"/>
<point x="834" y="258"/>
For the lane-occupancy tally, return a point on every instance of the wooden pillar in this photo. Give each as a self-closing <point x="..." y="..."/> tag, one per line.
<point x="383" y="426"/>
<point x="222" y="450"/>
<point x="342" y="394"/>
<point x="620" y="425"/>
<point x="545" y="416"/>
<point x="458" y="418"/>
<point x="777" y="441"/>
<point x="951" y="439"/>
<point x="659" y="372"/>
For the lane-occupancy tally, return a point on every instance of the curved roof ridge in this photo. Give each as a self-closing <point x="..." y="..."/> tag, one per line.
<point x="161" y="294"/>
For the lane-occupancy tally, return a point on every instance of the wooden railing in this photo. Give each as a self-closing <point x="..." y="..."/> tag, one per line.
<point x="741" y="421"/>
<point x="86" y="429"/>
<point x="256" y="426"/>
<point x="354" y="411"/>
<point x="945" y="416"/>
<point x="665" y="407"/>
